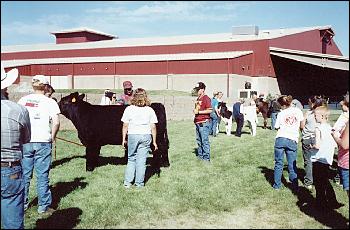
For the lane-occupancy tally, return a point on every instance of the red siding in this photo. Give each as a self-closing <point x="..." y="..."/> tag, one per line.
<point x="140" y="50"/>
<point x="198" y="67"/>
<point x="63" y="40"/>
<point x="94" y="69"/>
<point x="79" y="37"/>
<point x="141" y="68"/>
<point x="307" y="41"/>
<point x="240" y="65"/>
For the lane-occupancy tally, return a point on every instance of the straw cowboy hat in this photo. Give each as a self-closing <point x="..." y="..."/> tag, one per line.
<point x="8" y="78"/>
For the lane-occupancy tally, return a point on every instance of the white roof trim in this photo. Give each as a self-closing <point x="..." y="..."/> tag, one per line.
<point x="157" y="41"/>
<point x="129" y="58"/>
<point x="323" y="60"/>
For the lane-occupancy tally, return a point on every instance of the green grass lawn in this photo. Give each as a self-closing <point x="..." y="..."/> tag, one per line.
<point x="234" y="191"/>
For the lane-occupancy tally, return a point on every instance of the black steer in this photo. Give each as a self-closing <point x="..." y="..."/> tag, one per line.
<point x="100" y="125"/>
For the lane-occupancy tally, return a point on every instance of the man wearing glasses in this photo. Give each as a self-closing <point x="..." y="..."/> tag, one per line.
<point x="125" y="98"/>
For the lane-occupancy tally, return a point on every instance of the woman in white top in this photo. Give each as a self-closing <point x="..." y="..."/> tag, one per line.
<point x="139" y="129"/>
<point x="288" y="123"/>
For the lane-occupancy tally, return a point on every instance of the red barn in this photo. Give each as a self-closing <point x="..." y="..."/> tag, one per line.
<point x="296" y="61"/>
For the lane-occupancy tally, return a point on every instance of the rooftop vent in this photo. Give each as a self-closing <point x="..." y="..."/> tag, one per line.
<point x="245" y="30"/>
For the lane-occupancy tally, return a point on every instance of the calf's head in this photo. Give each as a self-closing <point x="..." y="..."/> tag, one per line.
<point x="68" y="103"/>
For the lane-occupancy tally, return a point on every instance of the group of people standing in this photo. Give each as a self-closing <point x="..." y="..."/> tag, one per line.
<point x="28" y="132"/>
<point x="319" y="141"/>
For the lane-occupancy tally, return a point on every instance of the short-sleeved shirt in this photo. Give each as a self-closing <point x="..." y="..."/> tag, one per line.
<point x="288" y="123"/>
<point x="139" y="119"/>
<point x="214" y="103"/>
<point x="15" y="130"/>
<point x="41" y="110"/>
<point x="124" y="99"/>
<point x="105" y="101"/>
<point x="204" y="103"/>
<point x="310" y="124"/>
<point x="327" y="145"/>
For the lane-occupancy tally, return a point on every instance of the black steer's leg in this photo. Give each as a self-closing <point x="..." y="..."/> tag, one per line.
<point x="155" y="163"/>
<point x="165" y="158"/>
<point x="92" y="153"/>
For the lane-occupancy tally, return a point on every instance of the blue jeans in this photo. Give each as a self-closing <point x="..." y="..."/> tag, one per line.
<point x="37" y="155"/>
<point x="213" y="123"/>
<point x="138" y="148"/>
<point x="202" y="137"/>
<point x="307" y="153"/>
<point x="344" y="177"/>
<point x="290" y="148"/>
<point x="273" y="120"/>
<point x="12" y="198"/>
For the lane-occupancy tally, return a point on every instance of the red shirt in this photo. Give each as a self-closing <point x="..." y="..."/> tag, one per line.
<point x="205" y="103"/>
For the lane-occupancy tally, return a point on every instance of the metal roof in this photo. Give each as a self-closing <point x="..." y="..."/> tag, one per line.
<point x="171" y="40"/>
<point x="323" y="60"/>
<point x="129" y="58"/>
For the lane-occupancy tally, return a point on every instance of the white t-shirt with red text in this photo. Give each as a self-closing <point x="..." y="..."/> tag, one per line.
<point x="288" y="123"/>
<point x="41" y="109"/>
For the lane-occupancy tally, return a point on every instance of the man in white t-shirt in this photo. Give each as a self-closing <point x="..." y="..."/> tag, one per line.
<point x="37" y="153"/>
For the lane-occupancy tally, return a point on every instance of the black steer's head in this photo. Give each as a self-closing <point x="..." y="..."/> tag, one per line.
<point x="223" y="108"/>
<point x="69" y="102"/>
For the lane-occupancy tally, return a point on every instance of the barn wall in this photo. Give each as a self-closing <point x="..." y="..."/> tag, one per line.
<point x="307" y="41"/>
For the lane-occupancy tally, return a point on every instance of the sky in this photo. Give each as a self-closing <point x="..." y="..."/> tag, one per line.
<point x="30" y="22"/>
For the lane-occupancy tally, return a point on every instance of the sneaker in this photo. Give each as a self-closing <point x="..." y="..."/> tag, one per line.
<point x="127" y="186"/>
<point x="308" y="187"/>
<point x="47" y="212"/>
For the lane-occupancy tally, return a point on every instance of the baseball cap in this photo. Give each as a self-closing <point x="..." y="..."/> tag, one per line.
<point x="40" y="79"/>
<point x="8" y="78"/>
<point x="127" y="84"/>
<point x="200" y="85"/>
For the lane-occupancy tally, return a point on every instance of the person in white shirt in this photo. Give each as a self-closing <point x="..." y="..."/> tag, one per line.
<point x="288" y="123"/>
<point x="251" y="117"/>
<point x="139" y="131"/>
<point x="339" y="125"/>
<point x="322" y="159"/>
<point x="108" y="98"/>
<point x="37" y="153"/>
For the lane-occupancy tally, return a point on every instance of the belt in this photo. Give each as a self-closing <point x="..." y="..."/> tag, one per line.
<point x="10" y="163"/>
<point x="201" y="123"/>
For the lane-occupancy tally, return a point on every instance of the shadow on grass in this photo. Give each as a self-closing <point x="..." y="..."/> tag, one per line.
<point x="61" y="219"/>
<point x="262" y="126"/>
<point x="307" y="203"/>
<point x="102" y="161"/>
<point x="60" y="190"/>
<point x="56" y="163"/>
